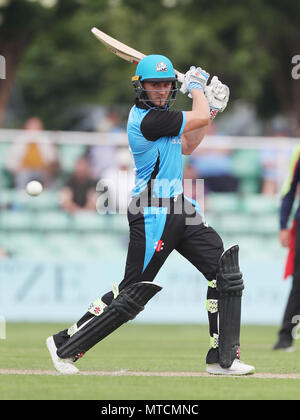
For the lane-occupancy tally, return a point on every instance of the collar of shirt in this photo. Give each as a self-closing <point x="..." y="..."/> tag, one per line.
<point x="150" y="105"/>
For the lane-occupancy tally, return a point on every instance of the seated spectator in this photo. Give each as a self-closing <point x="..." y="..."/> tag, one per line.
<point x="79" y="192"/>
<point x="192" y="186"/>
<point x="33" y="157"/>
<point x="215" y="167"/>
<point x="269" y="163"/>
<point x="272" y="159"/>
<point x="119" y="182"/>
<point x="103" y="157"/>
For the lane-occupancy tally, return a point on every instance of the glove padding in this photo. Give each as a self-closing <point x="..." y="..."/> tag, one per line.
<point x="194" y="78"/>
<point x="217" y="94"/>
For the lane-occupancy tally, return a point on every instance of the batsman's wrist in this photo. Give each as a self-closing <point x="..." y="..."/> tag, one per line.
<point x="194" y="85"/>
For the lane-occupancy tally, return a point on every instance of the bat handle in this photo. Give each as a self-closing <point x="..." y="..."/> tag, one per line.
<point x="180" y="76"/>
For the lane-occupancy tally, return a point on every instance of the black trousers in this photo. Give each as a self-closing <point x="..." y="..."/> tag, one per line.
<point x="293" y="304"/>
<point x="155" y="231"/>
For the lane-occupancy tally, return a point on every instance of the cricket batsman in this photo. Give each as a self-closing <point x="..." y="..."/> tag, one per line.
<point x="161" y="219"/>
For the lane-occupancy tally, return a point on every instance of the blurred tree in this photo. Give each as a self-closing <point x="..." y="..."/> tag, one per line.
<point x="249" y="45"/>
<point x="21" y="22"/>
<point x="278" y="26"/>
<point x="70" y="68"/>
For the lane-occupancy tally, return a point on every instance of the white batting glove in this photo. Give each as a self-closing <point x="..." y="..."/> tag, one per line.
<point x="194" y="78"/>
<point x="217" y="95"/>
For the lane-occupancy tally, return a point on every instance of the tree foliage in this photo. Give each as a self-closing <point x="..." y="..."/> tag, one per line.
<point x="249" y="45"/>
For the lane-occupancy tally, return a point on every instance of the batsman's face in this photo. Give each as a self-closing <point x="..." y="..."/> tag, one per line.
<point x="158" y="92"/>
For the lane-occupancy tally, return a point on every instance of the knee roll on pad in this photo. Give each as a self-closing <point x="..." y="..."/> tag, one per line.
<point x="229" y="277"/>
<point x="230" y="286"/>
<point x="125" y="307"/>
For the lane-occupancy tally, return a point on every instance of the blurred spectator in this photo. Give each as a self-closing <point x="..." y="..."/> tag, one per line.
<point x="271" y="159"/>
<point x="103" y="157"/>
<point x="119" y="181"/>
<point x="269" y="162"/>
<point x="3" y="253"/>
<point x="33" y="156"/>
<point x="79" y="192"/>
<point x="192" y="188"/>
<point x="215" y="167"/>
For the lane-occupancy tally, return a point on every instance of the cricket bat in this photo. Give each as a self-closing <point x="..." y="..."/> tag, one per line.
<point x="124" y="51"/>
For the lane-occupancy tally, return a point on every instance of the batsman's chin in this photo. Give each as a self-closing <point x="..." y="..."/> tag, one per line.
<point x="159" y="102"/>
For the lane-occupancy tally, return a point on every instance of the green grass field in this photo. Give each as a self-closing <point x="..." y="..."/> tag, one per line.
<point x="145" y="348"/>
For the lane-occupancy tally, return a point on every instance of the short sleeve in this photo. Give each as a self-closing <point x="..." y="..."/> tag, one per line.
<point x="158" y="124"/>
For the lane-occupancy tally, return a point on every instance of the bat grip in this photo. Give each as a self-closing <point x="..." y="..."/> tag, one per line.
<point x="180" y="76"/>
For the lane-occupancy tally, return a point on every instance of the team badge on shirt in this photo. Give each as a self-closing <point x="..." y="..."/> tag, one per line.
<point x="161" y="66"/>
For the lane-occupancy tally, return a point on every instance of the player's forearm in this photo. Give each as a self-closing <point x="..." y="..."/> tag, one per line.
<point x="199" y="117"/>
<point x="191" y="140"/>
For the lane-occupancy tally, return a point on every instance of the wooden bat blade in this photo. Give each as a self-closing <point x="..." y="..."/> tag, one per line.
<point x="117" y="47"/>
<point x="123" y="50"/>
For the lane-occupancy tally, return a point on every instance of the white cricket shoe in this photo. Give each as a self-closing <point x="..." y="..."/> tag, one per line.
<point x="237" y="368"/>
<point x="64" y="366"/>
